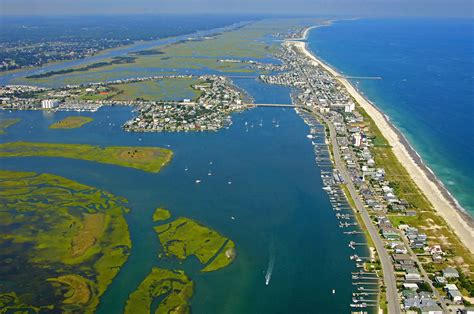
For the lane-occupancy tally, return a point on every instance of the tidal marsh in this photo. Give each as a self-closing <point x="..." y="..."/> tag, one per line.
<point x="150" y="159"/>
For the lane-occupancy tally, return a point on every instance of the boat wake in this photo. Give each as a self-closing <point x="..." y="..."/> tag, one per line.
<point x="271" y="263"/>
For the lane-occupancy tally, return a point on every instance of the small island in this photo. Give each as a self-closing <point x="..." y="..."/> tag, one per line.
<point x="181" y="238"/>
<point x="71" y="122"/>
<point x="161" y="214"/>
<point x="173" y="285"/>
<point x="150" y="159"/>
<point x="6" y="123"/>
<point x="184" y="237"/>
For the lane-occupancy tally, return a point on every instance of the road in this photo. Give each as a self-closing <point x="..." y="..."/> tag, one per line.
<point x="393" y="303"/>
<point x="424" y="274"/>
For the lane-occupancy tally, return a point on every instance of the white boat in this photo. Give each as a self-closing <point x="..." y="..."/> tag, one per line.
<point x="198" y="181"/>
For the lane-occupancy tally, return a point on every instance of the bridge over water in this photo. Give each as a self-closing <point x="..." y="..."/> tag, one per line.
<point x="191" y="103"/>
<point x="273" y="105"/>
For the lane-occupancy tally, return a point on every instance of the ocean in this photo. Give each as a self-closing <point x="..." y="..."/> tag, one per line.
<point x="427" y="86"/>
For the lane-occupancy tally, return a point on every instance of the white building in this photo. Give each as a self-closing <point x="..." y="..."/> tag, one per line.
<point x="349" y="107"/>
<point x="455" y="296"/>
<point x="49" y="103"/>
<point x="357" y="138"/>
<point x="453" y="293"/>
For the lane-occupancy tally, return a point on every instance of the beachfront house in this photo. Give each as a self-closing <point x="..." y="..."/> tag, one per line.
<point x="450" y="272"/>
<point x="453" y="293"/>
<point x="455" y="296"/>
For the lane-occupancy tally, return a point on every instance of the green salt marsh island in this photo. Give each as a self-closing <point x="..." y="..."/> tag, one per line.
<point x="180" y="238"/>
<point x="6" y="123"/>
<point x="161" y="214"/>
<point x="71" y="122"/>
<point x="58" y="237"/>
<point x="184" y="237"/>
<point x="150" y="159"/>
<point x="172" y="285"/>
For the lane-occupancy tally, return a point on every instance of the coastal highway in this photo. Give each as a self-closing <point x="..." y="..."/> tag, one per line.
<point x="387" y="266"/>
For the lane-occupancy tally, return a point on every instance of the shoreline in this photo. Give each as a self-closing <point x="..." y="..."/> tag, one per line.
<point x="433" y="189"/>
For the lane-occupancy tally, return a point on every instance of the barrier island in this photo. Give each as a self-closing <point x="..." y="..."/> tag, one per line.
<point x="61" y="243"/>
<point x="71" y="122"/>
<point x="184" y="237"/>
<point x="173" y="285"/>
<point x="150" y="159"/>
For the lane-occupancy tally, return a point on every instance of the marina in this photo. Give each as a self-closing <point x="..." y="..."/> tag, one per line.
<point x="344" y="213"/>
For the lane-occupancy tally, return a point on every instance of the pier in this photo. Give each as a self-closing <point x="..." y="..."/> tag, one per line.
<point x="360" y="77"/>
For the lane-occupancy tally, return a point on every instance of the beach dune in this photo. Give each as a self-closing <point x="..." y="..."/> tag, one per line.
<point x="442" y="201"/>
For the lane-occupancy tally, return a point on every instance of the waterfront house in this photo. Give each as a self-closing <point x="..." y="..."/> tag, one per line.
<point x="402" y="259"/>
<point x="390" y="233"/>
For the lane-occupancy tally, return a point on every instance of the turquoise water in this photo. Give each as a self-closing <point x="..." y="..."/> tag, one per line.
<point x="427" y="66"/>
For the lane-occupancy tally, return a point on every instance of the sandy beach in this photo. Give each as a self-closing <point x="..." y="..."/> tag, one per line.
<point x="442" y="201"/>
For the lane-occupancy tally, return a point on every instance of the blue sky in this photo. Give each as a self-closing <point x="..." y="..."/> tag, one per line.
<point x="316" y="7"/>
